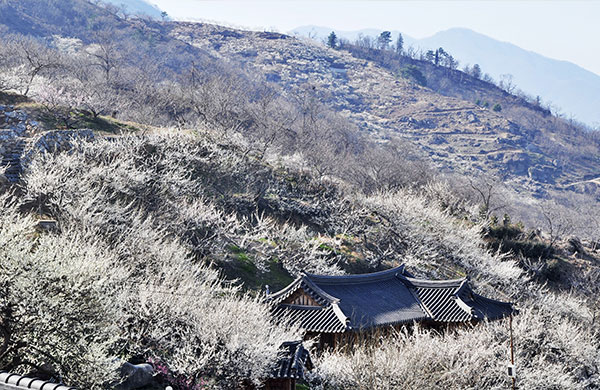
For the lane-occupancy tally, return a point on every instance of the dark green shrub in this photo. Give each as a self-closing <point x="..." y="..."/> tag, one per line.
<point x="411" y="72"/>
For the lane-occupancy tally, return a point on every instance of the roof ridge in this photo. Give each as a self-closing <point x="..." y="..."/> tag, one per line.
<point x="25" y="382"/>
<point x="465" y="306"/>
<point x="354" y="278"/>
<point x="427" y="283"/>
<point x="340" y="314"/>
<point x="464" y="285"/>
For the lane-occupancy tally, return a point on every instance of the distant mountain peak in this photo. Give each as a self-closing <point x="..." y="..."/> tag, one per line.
<point x="461" y="30"/>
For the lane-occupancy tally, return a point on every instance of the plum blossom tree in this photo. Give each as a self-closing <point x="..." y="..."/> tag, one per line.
<point x="32" y="59"/>
<point x="61" y="100"/>
<point x="57" y="313"/>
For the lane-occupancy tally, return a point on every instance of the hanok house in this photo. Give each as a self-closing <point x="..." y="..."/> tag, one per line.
<point x="341" y="307"/>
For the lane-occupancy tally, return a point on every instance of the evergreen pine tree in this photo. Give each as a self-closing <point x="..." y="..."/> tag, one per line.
<point x="399" y="44"/>
<point x="384" y="39"/>
<point x="332" y="40"/>
<point x="476" y="71"/>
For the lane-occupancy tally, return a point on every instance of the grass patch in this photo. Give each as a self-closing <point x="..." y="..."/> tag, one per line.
<point x="513" y="238"/>
<point x="554" y="269"/>
<point x="108" y="125"/>
<point x="80" y="120"/>
<point x="241" y="266"/>
<point x="11" y="99"/>
<point x="531" y="249"/>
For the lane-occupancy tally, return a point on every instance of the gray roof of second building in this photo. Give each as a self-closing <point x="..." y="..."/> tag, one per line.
<point x="313" y="318"/>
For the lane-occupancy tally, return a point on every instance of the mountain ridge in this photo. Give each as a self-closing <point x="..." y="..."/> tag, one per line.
<point x="532" y="72"/>
<point x="451" y="122"/>
<point x="138" y="7"/>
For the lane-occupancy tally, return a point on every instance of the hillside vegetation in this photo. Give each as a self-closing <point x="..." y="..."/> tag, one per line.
<point x="451" y="118"/>
<point x="202" y="181"/>
<point x="152" y="198"/>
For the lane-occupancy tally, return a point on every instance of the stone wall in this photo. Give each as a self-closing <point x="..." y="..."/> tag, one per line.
<point x="14" y="130"/>
<point x="15" y="120"/>
<point x="20" y="138"/>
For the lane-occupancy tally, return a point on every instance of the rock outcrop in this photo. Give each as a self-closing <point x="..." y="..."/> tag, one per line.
<point x="136" y="376"/>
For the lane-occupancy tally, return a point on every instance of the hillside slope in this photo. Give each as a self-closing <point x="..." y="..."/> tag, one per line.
<point x="152" y="242"/>
<point x="156" y="208"/>
<point x="533" y="152"/>
<point x="457" y="134"/>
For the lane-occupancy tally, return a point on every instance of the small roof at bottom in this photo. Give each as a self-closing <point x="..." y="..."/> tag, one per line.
<point x="292" y="361"/>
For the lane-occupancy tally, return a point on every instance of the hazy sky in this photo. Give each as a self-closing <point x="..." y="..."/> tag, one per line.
<point x="566" y="30"/>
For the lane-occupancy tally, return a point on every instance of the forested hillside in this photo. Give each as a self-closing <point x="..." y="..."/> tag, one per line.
<point x="156" y="176"/>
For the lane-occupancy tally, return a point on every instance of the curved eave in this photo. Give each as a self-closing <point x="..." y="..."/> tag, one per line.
<point x="390" y="323"/>
<point x="310" y="288"/>
<point x="319" y="291"/>
<point x="492" y="309"/>
<point x="494" y="301"/>
<point x="285" y="292"/>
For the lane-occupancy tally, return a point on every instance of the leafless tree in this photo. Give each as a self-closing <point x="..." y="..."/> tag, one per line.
<point x="488" y="193"/>
<point x="34" y="59"/>
<point x="506" y="83"/>
<point x="272" y="121"/>
<point x="389" y="167"/>
<point x="558" y="223"/>
<point x="105" y="53"/>
<point x="98" y="97"/>
<point x="61" y="100"/>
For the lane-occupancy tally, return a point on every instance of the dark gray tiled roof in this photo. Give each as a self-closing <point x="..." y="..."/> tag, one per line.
<point x="442" y="306"/>
<point x="10" y="381"/>
<point x="293" y="359"/>
<point x="313" y="319"/>
<point x="370" y="300"/>
<point x="352" y="302"/>
<point x="487" y="308"/>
